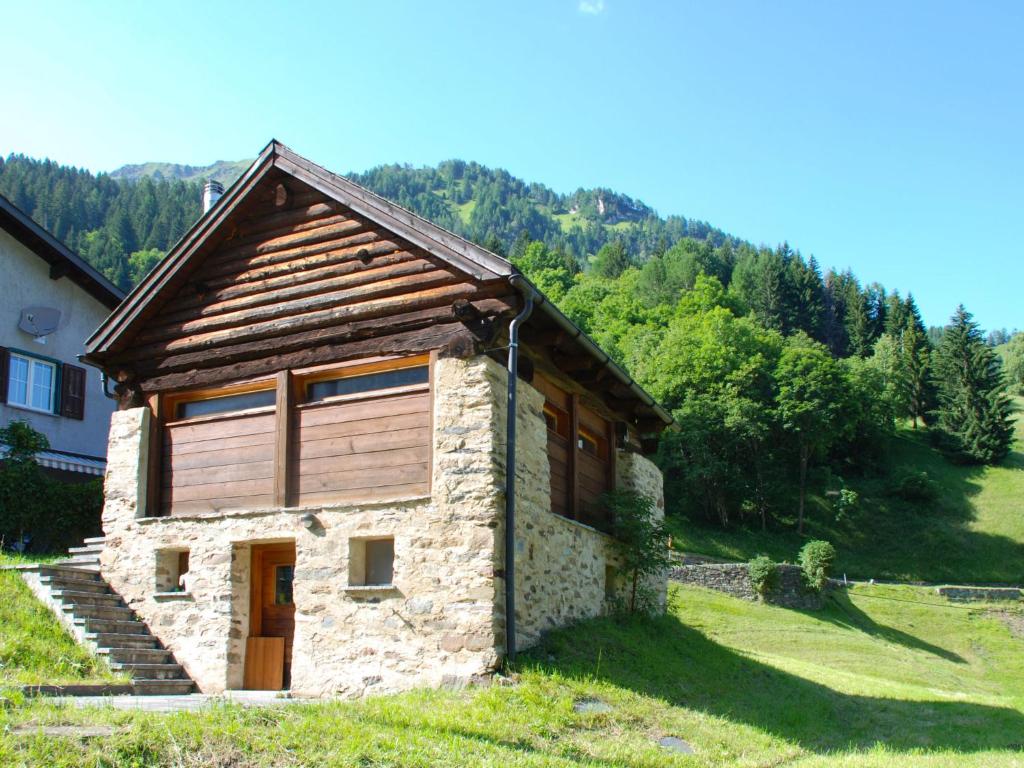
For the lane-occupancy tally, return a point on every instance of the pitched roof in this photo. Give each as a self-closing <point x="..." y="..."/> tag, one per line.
<point x="62" y="260"/>
<point x="460" y="253"/>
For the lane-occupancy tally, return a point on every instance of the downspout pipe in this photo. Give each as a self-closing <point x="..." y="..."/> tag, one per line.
<point x="518" y="282"/>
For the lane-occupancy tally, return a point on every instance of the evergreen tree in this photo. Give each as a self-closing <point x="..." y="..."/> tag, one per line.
<point x="974" y="417"/>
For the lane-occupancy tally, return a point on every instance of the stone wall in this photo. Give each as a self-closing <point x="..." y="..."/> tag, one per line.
<point x="565" y="571"/>
<point x="985" y="594"/>
<point x="439" y="619"/>
<point x="734" y="579"/>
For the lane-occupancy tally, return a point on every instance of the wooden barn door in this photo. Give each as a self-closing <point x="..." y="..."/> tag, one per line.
<point x="268" y="653"/>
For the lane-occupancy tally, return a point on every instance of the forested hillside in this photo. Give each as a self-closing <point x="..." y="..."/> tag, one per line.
<point x="785" y="378"/>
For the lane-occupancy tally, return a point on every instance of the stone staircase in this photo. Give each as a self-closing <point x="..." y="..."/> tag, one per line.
<point x="98" y="617"/>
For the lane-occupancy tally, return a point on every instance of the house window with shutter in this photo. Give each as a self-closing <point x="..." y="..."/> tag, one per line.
<point x="42" y="384"/>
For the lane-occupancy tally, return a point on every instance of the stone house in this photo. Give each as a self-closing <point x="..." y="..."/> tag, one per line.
<point x="52" y="301"/>
<point x="307" y="475"/>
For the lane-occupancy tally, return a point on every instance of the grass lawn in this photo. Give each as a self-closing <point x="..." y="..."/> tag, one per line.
<point x="974" y="531"/>
<point x="884" y="676"/>
<point x="34" y="647"/>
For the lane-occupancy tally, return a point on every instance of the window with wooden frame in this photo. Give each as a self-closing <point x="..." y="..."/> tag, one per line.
<point x="42" y="384"/>
<point x="362" y="432"/>
<point x="216" y="449"/>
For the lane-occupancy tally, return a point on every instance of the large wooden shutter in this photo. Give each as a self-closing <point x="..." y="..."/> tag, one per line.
<point x="5" y="359"/>
<point x="72" y="392"/>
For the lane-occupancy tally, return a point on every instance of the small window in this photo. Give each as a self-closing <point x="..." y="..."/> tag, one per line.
<point x="367" y="382"/>
<point x="592" y="444"/>
<point x="284" y="576"/>
<point x="371" y="562"/>
<point x="31" y="383"/>
<point x="557" y="420"/>
<point x="226" y="404"/>
<point x="172" y="570"/>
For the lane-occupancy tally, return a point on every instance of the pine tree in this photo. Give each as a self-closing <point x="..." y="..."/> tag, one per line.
<point x="974" y="417"/>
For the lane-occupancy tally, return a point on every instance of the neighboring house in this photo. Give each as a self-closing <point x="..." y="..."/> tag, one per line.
<point x="307" y="479"/>
<point x="52" y="300"/>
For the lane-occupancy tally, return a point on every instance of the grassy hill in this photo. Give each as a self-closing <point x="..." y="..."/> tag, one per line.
<point x="224" y="171"/>
<point x="972" y="532"/>
<point x="884" y="676"/>
<point x="34" y="647"/>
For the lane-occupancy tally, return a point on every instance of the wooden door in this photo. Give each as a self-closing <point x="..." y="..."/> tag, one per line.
<point x="272" y="615"/>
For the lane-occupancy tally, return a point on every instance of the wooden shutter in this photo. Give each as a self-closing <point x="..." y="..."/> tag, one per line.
<point x="5" y="359"/>
<point x="72" y="392"/>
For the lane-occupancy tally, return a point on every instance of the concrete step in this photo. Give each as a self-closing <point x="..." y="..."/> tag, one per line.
<point x="62" y="583"/>
<point x="75" y="597"/>
<point x="144" y="671"/>
<point x="104" y="612"/>
<point x="162" y="687"/>
<point x="122" y="641"/>
<point x="64" y="570"/>
<point x="136" y="655"/>
<point x="106" y="626"/>
<point x="88" y="549"/>
<point x="95" y="540"/>
<point x="82" y="561"/>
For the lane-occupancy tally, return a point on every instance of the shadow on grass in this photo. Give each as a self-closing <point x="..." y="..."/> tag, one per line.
<point x="665" y="659"/>
<point x="842" y="612"/>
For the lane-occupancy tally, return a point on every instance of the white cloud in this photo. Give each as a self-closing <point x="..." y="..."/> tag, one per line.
<point x="592" y="7"/>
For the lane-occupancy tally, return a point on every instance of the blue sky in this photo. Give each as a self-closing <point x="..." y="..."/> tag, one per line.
<point x="885" y="137"/>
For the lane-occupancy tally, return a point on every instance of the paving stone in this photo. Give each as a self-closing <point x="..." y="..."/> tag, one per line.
<point x="675" y="744"/>
<point x="591" y="706"/>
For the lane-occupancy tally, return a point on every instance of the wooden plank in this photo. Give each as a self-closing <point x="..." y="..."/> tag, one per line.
<point x="376" y="323"/>
<point x="156" y="456"/>
<point x="592" y="469"/>
<point x="345" y="226"/>
<point x="353" y="479"/>
<point x="327" y="283"/>
<point x="379" y="493"/>
<point x="222" y="275"/>
<point x="363" y="443"/>
<point x="183" y="432"/>
<point x="293" y="216"/>
<point x="297" y="310"/>
<point x="264" y="664"/>
<point x="418" y="454"/>
<point x="412" y="342"/>
<point x="187" y="478"/>
<point x="295" y="273"/>
<point x="216" y="505"/>
<point x="395" y="298"/>
<point x="574" y="452"/>
<point x="283" y="425"/>
<point x="219" y="455"/>
<point x="227" y="447"/>
<point x="316" y="414"/>
<point x="346" y="430"/>
<point x="263" y="487"/>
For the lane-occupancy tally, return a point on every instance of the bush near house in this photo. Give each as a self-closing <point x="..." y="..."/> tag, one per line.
<point x="38" y="513"/>
<point x="816" y="559"/>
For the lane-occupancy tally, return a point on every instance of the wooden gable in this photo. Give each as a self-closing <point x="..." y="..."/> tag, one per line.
<point x="295" y="278"/>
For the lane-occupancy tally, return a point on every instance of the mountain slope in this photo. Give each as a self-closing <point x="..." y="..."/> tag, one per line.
<point x="224" y="171"/>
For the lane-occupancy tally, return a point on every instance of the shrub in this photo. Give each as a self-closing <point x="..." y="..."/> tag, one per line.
<point x="642" y="544"/>
<point x="764" y="574"/>
<point x="816" y="559"/>
<point x="914" y="486"/>
<point x="39" y="513"/>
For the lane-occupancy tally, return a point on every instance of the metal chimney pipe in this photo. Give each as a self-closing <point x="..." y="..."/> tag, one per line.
<point x="212" y="192"/>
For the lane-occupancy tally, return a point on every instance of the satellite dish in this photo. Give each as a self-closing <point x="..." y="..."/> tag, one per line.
<point x="39" y="321"/>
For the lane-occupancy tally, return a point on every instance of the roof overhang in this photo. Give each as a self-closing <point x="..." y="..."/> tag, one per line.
<point x="62" y="260"/>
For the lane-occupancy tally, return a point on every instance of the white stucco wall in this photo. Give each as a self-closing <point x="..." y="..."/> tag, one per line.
<point x="25" y="280"/>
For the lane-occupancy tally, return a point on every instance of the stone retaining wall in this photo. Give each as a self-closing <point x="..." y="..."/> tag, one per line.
<point x="734" y="579"/>
<point x="979" y="594"/>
